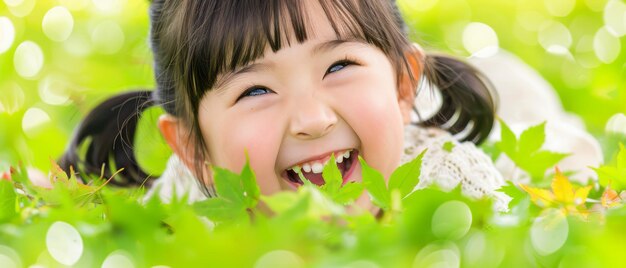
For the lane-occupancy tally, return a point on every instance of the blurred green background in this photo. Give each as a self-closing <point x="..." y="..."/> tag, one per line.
<point x="59" y="58"/>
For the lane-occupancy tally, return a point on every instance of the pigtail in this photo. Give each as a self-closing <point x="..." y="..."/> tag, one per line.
<point x="108" y="131"/>
<point x="468" y="106"/>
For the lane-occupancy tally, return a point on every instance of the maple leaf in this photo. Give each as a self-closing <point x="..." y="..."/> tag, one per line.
<point x="563" y="195"/>
<point x="610" y="198"/>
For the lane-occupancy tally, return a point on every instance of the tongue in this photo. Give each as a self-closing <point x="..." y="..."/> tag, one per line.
<point x="315" y="178"/>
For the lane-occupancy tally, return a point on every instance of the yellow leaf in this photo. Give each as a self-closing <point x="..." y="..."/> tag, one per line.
<point x="562" y="188"/>
<point x="541" y="197"/>
<point x="580" y="196"/>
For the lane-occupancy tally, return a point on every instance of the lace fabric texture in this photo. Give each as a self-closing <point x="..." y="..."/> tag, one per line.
<point x="448" y="164"/>
<point x="464" y="165"/>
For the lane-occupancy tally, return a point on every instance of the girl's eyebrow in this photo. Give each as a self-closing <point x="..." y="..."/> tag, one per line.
<point x="255" y="67"/>
<point x="250" y="68"/>
<point x="331" y="44"/>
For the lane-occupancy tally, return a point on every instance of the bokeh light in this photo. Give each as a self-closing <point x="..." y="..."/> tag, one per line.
<point x="64" y="243"/>
<point x="422" y="5"/>
<point x="279" y="259"/>
<point x="616" y="124"/>
<point x="9" y="258"/>
<point x="108" y="6"/>
<point x="554" y="36"/>
<point x="58" y="23"/>
<point x="75" y="5"/>
<point x="107" y="37"/>
<point x="560" y="8"/>
<point x="615" y="17"/>
<point x="606" y="46"/>
<point x="33" y="121"/>
<point x="452" y="220"/>
<point x="438" y="255"/>
<point x="20" y="8"/>
<point x="7" y="34"/>
<point x="480" y="39"/>
<point x="54" y="90"/>
<point x="12" y="97"/>
<point x="78" y="44"/>
<point x="549" y="232"/>
<point x="118" y="259"/>
<point x="28" y="59"/>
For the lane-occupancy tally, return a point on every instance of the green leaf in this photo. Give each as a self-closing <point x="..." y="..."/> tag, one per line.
<point x="614" y="174"/>
<point x="374" y="182"/>
<point x="508" y="140"/>
<point x="7" y="200"/>
<point x="537" y="163"/>
<point x="349" y="193"/>
<point x="448" y="146"/>
<point x="221" y="210"/>
<point x="525" y="152"/>
<point x="281" y="201"/>
<point x="515" y="193"/>
<point x="531" y="139"/>
<point x="332" y="177"/>
<point x="621" y="163"/>
<point x="406" y="177"/>
<point x="228" y="186"/>
<point x="252" y="193"/>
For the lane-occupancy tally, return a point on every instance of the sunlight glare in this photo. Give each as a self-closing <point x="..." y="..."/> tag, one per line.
<point x="554" y="34"/>
<point x="279" y="258"/>
<point x="118" y="259"/>
<point x="480" y="39"/>
<point x="107" y="37"/>
<point x="57" y="24"/>
<point x="28" y="59"/>
<point x="7" y="34"/>
<point x="12" y="98"/>
<point x="54" y="90"/>
<point x="33" y="121"/>
<point x="21" y="8"/>
<point x="615" y="17"/>
<point x="606" y="46"/>
<point x="64" y="243"/>
<point x="549" y="232"/>
<point x="560" y="8"/>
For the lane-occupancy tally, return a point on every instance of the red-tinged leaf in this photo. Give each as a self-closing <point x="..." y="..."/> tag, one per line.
<point x="610" y="198"/>
<point x="5" y="176"/>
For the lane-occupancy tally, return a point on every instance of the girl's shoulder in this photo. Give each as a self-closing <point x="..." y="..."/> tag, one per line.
<point x="449" y="163"/>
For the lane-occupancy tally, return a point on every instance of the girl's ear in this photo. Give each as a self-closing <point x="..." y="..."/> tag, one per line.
<point x="407" y="87"/>
<point x="177" y="137"/>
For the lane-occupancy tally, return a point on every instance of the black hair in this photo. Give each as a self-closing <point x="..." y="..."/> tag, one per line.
<point x="195" y="41"/>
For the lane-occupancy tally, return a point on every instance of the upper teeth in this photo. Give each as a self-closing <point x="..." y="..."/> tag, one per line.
<point x="317" y="166"/>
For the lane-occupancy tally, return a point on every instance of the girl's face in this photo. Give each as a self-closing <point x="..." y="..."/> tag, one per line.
<point x="299" y="105"/>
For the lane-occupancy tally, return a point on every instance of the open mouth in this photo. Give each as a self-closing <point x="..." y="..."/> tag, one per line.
<point x="312" y="171"/>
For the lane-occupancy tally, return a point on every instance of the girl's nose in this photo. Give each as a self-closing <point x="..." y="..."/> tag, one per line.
<point x="312" y="119"/>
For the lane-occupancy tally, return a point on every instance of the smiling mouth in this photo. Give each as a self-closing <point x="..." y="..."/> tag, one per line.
<point x="312" y="171"/>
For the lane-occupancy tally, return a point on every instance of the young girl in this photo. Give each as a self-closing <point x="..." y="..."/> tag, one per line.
<point x="290" y="83"/>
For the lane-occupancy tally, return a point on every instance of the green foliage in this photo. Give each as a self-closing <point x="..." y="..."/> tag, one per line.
<point x="236" y="195"/>
<point x="7" y="200"/>
<point x="525" y="151"/>
<point x="375" y="185"/>
<point x="406" y="177"/>
<point x="314" y="226"/>
<point x="615" y="174"/>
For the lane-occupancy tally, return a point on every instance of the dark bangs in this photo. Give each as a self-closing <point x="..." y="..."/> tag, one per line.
<point x="217" y="37"/>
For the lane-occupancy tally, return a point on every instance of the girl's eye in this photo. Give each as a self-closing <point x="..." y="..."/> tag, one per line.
<point x="254" y="91"/>
<point x="337" y="66"/>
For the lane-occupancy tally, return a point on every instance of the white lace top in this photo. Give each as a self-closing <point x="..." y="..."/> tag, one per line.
<point x="463" y="165"/>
